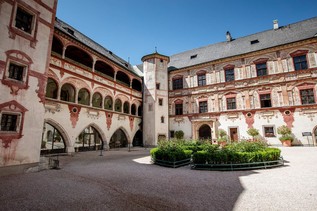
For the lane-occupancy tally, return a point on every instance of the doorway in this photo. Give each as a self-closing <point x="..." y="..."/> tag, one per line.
<point x="233" y="134"/>
<point x="205" y="132"/>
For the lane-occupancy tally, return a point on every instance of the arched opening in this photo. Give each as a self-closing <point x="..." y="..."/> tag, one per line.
<point x="118" y="139"/>
<point x="57" y="46"/>
<point x="126" y="107"/>
<point x="68" y="93"/>
<point x="123" y="78"/>
<point x="133" y="109"/>
<point x="138" y="139"/>
<point x="137" y="85"/>
<point x="52" y="140"/>
<point x="118" y="105"/>
<point x="108" y="103"/>
<point x="89" y="139"/>
<point x="79" y="56"/>
<point x="51" y="88"/>
<point x="204" y="132"/>
<point x="140" y="111"/>
<point x="97" y="100"/>
<point x="83" y="97"/>
<point x="104" y="69"/>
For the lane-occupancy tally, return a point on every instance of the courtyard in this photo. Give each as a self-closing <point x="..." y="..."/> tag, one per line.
<point x="122" y="180"/>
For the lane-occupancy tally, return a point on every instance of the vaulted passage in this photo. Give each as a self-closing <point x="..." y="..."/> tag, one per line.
<point x="118" y="139"/>
<point x="52" y="141"/>
<point x="138" y="140"/>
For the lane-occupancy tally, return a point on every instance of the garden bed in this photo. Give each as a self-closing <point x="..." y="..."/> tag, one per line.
<point x="172" y="164"/>
<point x="238" y="166"/>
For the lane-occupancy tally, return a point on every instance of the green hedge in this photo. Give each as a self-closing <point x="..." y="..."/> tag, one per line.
<point x="227" y="156"/>
<point x="207" y="153"/>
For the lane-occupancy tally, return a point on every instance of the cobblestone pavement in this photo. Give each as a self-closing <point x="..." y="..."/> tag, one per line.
<point x="122" y="180"/>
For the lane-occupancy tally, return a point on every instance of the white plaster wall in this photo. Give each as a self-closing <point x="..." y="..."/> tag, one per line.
<point x="184" y="125"/>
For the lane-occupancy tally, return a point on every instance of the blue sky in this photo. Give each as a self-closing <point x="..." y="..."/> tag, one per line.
<point x="133" y="28"/>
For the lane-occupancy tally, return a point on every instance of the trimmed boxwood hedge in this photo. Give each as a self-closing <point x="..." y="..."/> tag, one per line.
<point x="206" y="153"/>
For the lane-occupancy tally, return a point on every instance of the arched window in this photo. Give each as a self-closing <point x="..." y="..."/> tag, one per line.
<point x="123" y="78"/>
<point x="51" y="89"/>
<point x="57" y="46"/>
<point x="104" y="69"/>
<point x="108" y="103"/>
<point x="133" y="109"/>
<point x="68" y="93"/>
<point x="89" y="139"/>
<point x="118" y="105"/>
<point x="136" y="85"/>
<point x="97" y="100"/>
<point x="178" y="107"/>
<point x="126" y="107"/>
<point x="83" y="97"/>
<point x="79" y="56"/>
<point x="140" y="110"/>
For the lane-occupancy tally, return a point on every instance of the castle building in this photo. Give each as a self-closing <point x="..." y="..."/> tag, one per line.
<point x="62" y="92"/>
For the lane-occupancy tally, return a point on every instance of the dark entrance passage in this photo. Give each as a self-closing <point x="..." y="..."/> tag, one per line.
<point x="204" y="132"/>
<point x="52" y="140"/>
<point x="234" y="134"/>
<point x="138" y="139"/>
<point x="89" y="139"/>
<point x="118" y="139"/>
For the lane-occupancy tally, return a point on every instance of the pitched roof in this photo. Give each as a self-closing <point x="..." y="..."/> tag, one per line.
<point x="262" y="40"/>
<point x="75" y="34"/>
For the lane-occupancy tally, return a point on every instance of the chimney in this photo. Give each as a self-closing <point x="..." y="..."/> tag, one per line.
<point x="228" y="36"/>
<point x="275" y="24"/>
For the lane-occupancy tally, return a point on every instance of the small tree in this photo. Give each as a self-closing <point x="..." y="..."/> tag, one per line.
<point x="253" y="132"/>
<point x="179" y="134"/>
<point x="222" y="135"/>
<point x="286" y="133"/>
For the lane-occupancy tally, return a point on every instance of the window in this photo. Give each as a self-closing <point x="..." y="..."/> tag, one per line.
<point x="201" y="80"/>
<point x="172" y="132"/>
<point x="265" y="100"/>
<point x="158" y="85"/>
<point x="23" y="20"/>
<point x="9" y="122"/>
<point x="179" y="109"/>
<point x="254" y="42"/>
<point x="16" y="71"/>
<point x="269" y="131"/>
<point x="231" y="103"/>
<point x="203" y="107"/>
<point x="160" y="101"/>
<point x="162" y="119"/>
<point x="229" y="75"/>
<point x="261" y="69"/>
<point x="151" y="107"/>
<point x="307" y="96"/>
<point x="300" y="62"/>
<point x="193" y="56"/>
<point x="177" y="83"/>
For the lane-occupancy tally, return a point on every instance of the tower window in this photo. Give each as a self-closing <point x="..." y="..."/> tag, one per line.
<point x="23" y="20"/>
<point x="160" y="101"/>
<point x="9" y="122"/>
<point x="16" y="72"/>
<point x="158" y="85"/>
<point x="162" y="119"/>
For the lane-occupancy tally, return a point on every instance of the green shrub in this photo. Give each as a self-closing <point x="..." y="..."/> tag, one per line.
<point x="200" y="157"/>
<point x="179" y="134"/>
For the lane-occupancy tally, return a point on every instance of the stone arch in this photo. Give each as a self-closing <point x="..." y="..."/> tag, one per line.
<point x="62" y="131"/>
<point x="57" y="45"/>
<point x="204" y="132"/>
<point x="79" y="55"/>
<point x="51" y="88"/>
<point x="112" y="142"/>
<point x="99" y="130"/>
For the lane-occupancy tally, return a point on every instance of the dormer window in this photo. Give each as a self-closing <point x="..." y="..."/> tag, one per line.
<point x="254" y="42"/>
<point x="193" y="56"/>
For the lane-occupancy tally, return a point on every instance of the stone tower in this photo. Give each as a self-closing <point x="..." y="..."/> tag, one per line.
<point x="155" y="98"/>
